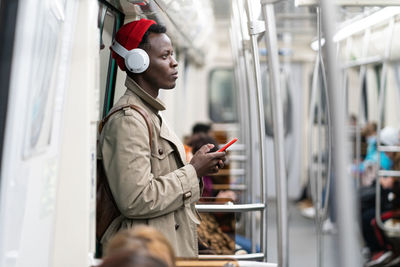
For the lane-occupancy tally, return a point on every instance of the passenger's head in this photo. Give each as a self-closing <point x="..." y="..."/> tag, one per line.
<point x="389" y="136"/>
<point x="142" y="239"/>
<point x="353" y="120"/>
<point x="152" y="38"/>
<point x="199" y="131"/>
<point x="204" y="140"/>
<point x="369" y="129"/>
<point x="201" y="128"/>
<point x="129" y="258"/>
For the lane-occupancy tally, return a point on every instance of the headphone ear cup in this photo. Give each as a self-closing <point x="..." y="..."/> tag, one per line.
<point x="137" y="60"/>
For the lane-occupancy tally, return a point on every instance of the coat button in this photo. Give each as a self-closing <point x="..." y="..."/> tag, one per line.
<point x="160" y="151"/>
<point x="187" y="195"/>
<point x="176" y="226"/>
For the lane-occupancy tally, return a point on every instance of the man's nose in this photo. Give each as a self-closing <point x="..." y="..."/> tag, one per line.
<point x="174" y="63"/>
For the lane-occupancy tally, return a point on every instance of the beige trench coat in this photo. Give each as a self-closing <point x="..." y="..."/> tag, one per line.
<point x="154" y="187"/>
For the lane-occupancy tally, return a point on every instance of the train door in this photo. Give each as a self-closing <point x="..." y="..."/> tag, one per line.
<point x="47" y="163"/>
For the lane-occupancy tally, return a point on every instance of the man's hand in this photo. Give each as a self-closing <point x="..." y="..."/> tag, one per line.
<point x="207" y="163"/>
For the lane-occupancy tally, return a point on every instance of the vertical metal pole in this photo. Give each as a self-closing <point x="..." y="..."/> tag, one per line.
<point x="322" y="211"/>
<point x="328" y="132"/>
<point x="345" y="196"/>
<point x="318" y="181"/>
<point x="329" y="141"/>
<point x="363" y="69"/>
<point x="251" y="162"/>
<point x="382" y="95"/>
<point x="241" y="72"/>
<point x="261" y="123"/>
<point x="311" y="118"/>
<point x="277" y="112"/>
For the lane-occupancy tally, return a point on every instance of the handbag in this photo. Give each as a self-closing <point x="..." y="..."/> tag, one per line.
<point x="106" y="208"/>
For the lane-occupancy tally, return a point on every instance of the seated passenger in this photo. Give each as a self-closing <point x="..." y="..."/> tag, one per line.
<point x="197" y="143"/>
<point x="388" y="136"/>
<point x="199" y="130"/>
<point x="389" y="252"/>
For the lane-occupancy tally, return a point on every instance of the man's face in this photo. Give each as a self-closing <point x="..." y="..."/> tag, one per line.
<point x="162" y="71"/>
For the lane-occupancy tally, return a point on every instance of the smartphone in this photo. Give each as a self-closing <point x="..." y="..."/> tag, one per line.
<point x="228" y="145"/>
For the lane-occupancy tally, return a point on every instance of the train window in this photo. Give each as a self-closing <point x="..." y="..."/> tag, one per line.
<point x="222" y="96"/>
<point x="109" y="22"/>
<point x="106" y="35"/>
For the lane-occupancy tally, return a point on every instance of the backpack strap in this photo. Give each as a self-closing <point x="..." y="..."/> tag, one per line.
<point x="106" y="207"/>
<point x="140" y="110"/>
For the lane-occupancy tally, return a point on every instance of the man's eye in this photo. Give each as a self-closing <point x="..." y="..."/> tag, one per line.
<point x="165" y="56"/>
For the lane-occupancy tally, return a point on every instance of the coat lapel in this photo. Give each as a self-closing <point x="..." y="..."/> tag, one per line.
<point x="169" y="135"/>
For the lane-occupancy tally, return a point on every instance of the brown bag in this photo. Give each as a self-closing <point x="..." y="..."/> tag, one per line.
<point x="106" y="208"/>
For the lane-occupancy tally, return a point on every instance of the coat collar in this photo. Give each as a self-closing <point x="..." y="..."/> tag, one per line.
<point x="155" y="103"/>
<point x="169" y="135"/>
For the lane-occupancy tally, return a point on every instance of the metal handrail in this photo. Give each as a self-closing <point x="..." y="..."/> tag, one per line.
<point x="388" y="148"/>
<point x="251" y="256"/>
<point x="254" y="31"/>
<point x="311" y="125"/>
<point x="363" y="70"/>
<point x="348" y="243"/>
<point x="321" y="212"/>
<point x="248" y="76"/>
<point x="240" y="100"/>
<point x="277" y="112"/>
<point x="388" y="173"/>
<point x="329" y="137"/>
<point x="230" y="207"/>
<point x="241" y="158"/>
<point x="362" y="62"/>
<point x="382" y="86"/>
<point x="237" y="147"/>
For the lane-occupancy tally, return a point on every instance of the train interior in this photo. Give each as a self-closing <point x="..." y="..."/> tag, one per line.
<point x="310" y="88"/>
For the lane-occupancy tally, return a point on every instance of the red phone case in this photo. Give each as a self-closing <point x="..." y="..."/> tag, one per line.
<point x="228" y="145"/>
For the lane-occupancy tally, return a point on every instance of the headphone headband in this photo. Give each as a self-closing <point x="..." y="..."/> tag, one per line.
<point x="119" y="49"/>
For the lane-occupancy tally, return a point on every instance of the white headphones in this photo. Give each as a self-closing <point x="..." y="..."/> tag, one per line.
<point x="136" y="60"/>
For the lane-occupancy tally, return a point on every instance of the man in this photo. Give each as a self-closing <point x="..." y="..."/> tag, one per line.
<point x="151" y="183"/>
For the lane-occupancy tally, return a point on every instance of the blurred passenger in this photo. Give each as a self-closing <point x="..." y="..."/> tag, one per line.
<point x="142" y="239"/>
<point x="388" y="242"/>
<point x="201" y="129"/>
<point x="368" y="137"/>
<point x="197" y="143"/>
<point x="198" y="130"/>
<point x="212" y="240"/>
<point x="127" y="258"/>
<point x="389" y="136"/>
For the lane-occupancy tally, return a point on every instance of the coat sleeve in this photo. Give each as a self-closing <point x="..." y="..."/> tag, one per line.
<point x="137" y="193"/>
